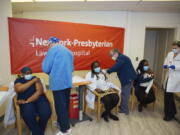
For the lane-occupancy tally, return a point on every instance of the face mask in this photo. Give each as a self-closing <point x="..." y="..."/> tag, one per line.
<point x="176" y="51"/>
<point x="28" y="77"/>
<point x="114" y="58"/>
<point x="146" y="68"/>
<point x="97" y="70"/>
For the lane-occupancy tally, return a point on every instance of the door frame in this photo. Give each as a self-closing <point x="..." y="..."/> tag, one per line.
<point x="174" y="29"/>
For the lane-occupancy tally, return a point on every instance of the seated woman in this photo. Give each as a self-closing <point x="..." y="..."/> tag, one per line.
<point x="100" y="84"/>
<point x="32" y="101"/>
<point x="143" y="85"/>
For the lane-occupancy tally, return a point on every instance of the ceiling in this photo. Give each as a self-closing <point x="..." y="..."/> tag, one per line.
<point x="172" y="7"/>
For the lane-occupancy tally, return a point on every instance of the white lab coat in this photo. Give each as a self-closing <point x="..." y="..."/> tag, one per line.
<point x="101" y="83"/>
<point x="173" y="84"/>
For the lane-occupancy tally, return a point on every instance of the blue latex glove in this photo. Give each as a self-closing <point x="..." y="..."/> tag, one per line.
<point x="172" y="67"/>
<point x="165" y="66"/>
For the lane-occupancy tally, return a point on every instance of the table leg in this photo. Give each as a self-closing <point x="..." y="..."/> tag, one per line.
<point x="82" y="115"/>
<point x="80" y="103"/>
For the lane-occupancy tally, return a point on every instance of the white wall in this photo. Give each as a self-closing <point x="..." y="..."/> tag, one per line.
<point x="5" y="11"/>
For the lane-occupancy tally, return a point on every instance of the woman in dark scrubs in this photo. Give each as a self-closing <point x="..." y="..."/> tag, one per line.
<point x="32" y="101"/>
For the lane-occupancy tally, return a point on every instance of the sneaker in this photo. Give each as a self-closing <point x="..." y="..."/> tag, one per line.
<point x="69" y="131"/>
<point x="66" y="133"/>
<point x="60" y="133"/>
<point x="126" y="113"/>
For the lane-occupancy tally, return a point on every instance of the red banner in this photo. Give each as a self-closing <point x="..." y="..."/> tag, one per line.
<point x="29" y="42"/>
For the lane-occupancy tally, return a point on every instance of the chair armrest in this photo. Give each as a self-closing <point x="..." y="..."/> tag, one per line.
<point x="154" y="88"/>
<point x="16" y="106"/>
<point x="95" y="93"/>
<point x="108" y="92"/>
<point x="114" y="90"/>
<point x="49" y="96"/>
<point x="104" y="94"/>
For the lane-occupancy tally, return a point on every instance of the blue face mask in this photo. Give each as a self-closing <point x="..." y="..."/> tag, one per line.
<point x="146" y="68"/>
<point x="97" y="70"/>
<point x="176" y="51"/>
<point x="28" y="77"/>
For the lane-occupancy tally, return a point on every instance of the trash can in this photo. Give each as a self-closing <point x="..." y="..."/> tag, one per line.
<point x="74" y="107"/>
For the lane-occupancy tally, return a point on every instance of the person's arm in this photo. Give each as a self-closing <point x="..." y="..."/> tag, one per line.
<point x="149" y="87"/>
<point x="111" y="85"/>
<point x="72" y="63"/>
<point x="39" y="91"/>
<point x="140" y="79"/>
<point x="177" y="64"/>
<point x="177" y="67"/>
<point x="167" y="59"/>
<point x="116" y="67"/>
<point x="92" y="85"/>
<point x="48" y="62"/>
<point x="174" y="66"/>
<point x="19" y="87"/>
<point x="150" y="72"/>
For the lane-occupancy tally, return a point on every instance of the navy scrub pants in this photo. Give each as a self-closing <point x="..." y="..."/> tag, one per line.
<point x="30" y="111"/>
<point x="62" y="99"/>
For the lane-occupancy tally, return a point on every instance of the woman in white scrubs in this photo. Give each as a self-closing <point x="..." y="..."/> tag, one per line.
<point x="172" y="81"/>
<point x="100" y="84"/>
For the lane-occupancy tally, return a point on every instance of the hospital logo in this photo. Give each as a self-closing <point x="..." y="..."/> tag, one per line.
<point x="34" y="42"/>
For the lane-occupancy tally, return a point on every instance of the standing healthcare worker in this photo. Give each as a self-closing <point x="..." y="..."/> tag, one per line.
<point x="126" y="74"/>
<point x="172" y="81"/>
<point x="58" y="64"/>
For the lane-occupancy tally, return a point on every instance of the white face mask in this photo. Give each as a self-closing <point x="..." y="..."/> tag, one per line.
<point x="176" y="51"/>
<point x="114" y="58"/>
<point x="28" y="77"/>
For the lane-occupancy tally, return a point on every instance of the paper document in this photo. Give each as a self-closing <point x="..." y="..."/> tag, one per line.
<point x="149" y="86"/>
<point x="78" y="79"/>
